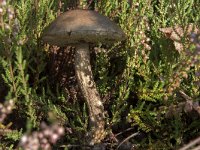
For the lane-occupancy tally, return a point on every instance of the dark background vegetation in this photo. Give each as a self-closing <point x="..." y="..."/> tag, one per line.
<point x="148" y="85"/>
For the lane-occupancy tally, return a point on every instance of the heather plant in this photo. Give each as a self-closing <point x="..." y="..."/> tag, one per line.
<point x="5" y="109"/>
<point x="42" y="139"/>
<point x="149" y="83"/>
<point x="155" y="75"/>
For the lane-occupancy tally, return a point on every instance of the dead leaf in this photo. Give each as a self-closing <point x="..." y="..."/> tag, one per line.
<point x="176" y="33"/>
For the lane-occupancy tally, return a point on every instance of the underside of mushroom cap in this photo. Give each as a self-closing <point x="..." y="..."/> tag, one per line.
<point x="77" y="26"/>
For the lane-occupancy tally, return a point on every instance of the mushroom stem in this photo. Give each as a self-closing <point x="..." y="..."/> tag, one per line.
<point x="90" y="93"/>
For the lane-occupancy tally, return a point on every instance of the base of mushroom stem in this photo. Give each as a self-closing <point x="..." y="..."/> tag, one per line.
<point x="95" y="137"/>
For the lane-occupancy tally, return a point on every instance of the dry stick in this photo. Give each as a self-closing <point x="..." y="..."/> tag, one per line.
<point x="192" y="143"/>
<point x="89" y="4"/>
<point x="123" y="131"/>
<point x="185" y="96"/>
<point x="75" y="146"/>
<point x="59" y="7"/>
<point x="126" y="139"/>
<point x="196" y="148"/>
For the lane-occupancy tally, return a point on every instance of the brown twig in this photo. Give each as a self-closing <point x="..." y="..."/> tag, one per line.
<point x="126" y="139"/>
<point x="192" y="143"/>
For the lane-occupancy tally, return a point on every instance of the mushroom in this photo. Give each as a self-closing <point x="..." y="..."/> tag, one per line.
<point x="79" y="28"/>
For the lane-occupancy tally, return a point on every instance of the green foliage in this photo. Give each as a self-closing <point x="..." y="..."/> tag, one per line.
<point x="149" y="73"/>
<point x="14" y="135"/>
<point x="139" y="79"/>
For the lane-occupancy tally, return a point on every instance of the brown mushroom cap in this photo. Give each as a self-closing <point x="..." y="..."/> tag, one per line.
<point x="78" y="26"/>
